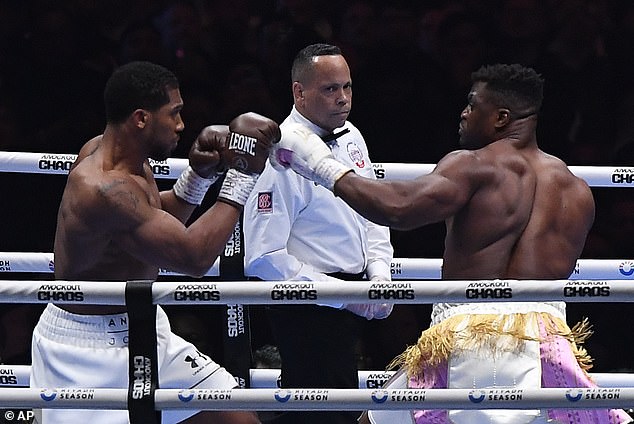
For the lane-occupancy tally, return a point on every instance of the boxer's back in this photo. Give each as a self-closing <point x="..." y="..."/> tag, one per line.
<point x="527" y="219"/>
<point x="562" y="215"/>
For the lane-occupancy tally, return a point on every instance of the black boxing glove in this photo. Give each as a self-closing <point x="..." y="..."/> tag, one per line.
<point x="204" y="155"/>
<point x="245" y="153"/>
<point x="250" y="138"/>
<point x="205" y="164"/>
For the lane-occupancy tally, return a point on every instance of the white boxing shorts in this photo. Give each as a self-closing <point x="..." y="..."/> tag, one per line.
<point x="91" y="351"/>
<point x="506" y="347"/>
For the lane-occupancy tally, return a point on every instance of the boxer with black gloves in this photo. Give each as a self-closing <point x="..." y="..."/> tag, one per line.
<point x="245" y="151"/>
<point x="114" y="225"/>
<point x="242" y="146"/>
<point x="205" y="165"/>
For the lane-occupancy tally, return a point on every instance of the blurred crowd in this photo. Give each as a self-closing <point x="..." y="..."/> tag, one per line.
<point x="411" y="63"/>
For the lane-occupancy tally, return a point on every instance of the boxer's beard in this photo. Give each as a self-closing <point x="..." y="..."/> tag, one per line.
<point x="162" y="154"/>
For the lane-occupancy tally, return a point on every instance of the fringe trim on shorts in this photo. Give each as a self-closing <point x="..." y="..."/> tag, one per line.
<point x="470" y="332"/>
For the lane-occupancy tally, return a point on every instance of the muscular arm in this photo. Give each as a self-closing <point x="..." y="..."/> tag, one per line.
<point x="154" y="236"/>
<point x="164" y="241"/>
<point x="175" y="206"/>
<point x="405" y="205"/>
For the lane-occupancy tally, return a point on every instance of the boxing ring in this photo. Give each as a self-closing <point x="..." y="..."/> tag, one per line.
<point x="414" y="282"/>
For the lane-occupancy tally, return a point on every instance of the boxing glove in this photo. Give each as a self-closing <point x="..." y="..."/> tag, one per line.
<point x="250" y="138"/>
<point x="205" y="164"/>
<point x="245" y="153"/>
<point x="204" y="155"/>
<point x="305" y="153"/>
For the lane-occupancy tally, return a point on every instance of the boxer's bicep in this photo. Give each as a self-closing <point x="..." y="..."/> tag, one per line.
<point x="144" y="231"/>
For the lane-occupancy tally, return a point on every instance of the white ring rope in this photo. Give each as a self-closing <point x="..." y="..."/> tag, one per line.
<point x="56" y="163"/>
<point x="402" y="268"/>
<point x="43" y="262"/>
<point x="611" y="393"/>
<point x="320" y="292"/>
<point x="325" y="399"/>
<point x="19" y="376"/>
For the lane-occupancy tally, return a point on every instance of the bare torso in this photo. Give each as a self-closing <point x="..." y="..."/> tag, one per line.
<point x="88" y="239"/>
<point x="527" y="218"/>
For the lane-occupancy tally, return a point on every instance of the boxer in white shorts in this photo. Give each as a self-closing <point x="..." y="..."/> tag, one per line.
<point x="501" y="345"/>
<point x="114" y="224"/>
<point x="68" y="340"/>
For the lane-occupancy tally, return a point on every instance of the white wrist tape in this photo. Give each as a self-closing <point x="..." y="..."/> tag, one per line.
<point x="328" y="171"/>
<point x="237" y="187"/>
<point x="191" y="187"/>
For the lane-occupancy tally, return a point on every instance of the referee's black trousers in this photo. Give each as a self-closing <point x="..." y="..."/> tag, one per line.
<point x="318" y="349"/>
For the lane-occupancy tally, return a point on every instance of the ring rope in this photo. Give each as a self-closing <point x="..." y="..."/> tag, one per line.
<point x="57" y="163"/>
<point x="325" y="399"/>
<point x="321" y="292"/>
<point x="266" y="378"/>
<point x="43" y="262"/>
<point x="402" y="268"/>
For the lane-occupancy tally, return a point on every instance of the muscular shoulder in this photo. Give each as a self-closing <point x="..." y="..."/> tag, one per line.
<point x="457" y="158"/>
<point x="553" y="171"/>
<point x="471" y="165"/>
<point x="112" y="199"/>
<point x="554" y="177"/>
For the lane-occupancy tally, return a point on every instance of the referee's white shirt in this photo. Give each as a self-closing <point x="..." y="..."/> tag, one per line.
<point x="297" y="230"/>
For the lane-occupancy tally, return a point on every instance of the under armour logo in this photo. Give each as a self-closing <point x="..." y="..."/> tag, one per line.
<point x="192" y="361"/>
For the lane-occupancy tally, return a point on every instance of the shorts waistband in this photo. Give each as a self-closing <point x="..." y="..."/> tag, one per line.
<point x="85" y="330"/>
<point x="442" y="311"/>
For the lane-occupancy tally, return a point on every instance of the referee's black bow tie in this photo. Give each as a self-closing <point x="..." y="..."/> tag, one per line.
<point x="334" y="135"/>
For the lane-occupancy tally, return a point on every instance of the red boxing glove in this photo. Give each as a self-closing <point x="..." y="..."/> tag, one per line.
<point x="250" y="139"/>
